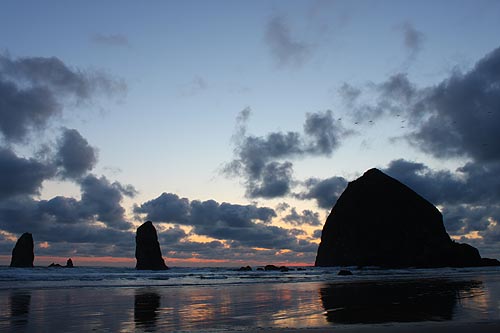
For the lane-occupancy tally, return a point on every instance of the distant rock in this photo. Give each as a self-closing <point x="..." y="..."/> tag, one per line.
<point x="378" y="221"/>
<point x="55" y="265"/>
<point x="489" y="262"/>
<point x="69" y="263"/>
<point x="344" y="272"/>
<point x="147" y="248"/>
<point x="245" y="269"/>
<point x="22" y="254"/>
<point x="276" y="268"/>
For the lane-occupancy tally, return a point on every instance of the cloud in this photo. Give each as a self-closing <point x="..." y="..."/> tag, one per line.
<point x="21" y="176"/>
<point x="75" y="156"/>
<point x="324" y="191"/>
<point x="462" y="117"/>
<point x="237" y="225"/>
<point x="259" y="159"/>
<point x="168" y="207"/>
<point x="103" y="199"/>
<point x="96" y="222"/>
<point x="33" y="90"/>
<point x="66" y="225"/>
<point x="324" y="133"/>
<point x="274" y="181"/>
<point x="412" y="38"/>
<point x="23" y="110"/>
<point x="110" y="40"/>
<point x="307" y="217"/>
<point x="286" y="50"/>
<point x="456" y="118"/>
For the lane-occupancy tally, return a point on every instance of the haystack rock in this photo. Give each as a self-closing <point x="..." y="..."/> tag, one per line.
<point x="378" y="221"/>
<point x="22" y="254"/>
<point x="147" y="248"/>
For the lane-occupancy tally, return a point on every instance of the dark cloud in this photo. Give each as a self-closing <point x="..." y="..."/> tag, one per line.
<point x="457" y="117"/>
<point x="259" y="159"/>
<point x="110" y="40"/>
<point x="439" y="187"/>
<point x="240" y="225"/>
<point x="24" y="109"/>
<point x="462" y="114"/>
<point x="395" y="97"/>
<point x="65" y="224"/>
<point x="92" y="226"/>
<point x="284" y="47"/>
<point x="33" y="89"/>
<point x="168" y="207"/>
<point x="323" y="132"/>
<point x="412" y="39"/>
<point x="281" y="207"/>
<point x="21" y="176"/>
<point x="103" y="199"/>
<point x="398" y="88"/>
<point x="308" y="217"/>
<point x="274" y="181"/>
<point x="64" y="210"/>
<point x="324" y="191"/>
<point x="349" y="94"/>
<point x="171" y="236"/>
<point x="75" y="156"/>
<point x="474" y="183"/>
<point x="55" y="75"/>
<point x="317" y="233"/>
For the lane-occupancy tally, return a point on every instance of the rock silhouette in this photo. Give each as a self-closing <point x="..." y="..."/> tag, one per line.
<point x="22" y="254"/>
<point x="378" y="221"/>
<point x="147" y="248"/>
<point x="69" y="263"/>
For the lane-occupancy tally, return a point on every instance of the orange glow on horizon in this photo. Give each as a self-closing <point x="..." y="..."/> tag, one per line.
<point x="42" y="261"/>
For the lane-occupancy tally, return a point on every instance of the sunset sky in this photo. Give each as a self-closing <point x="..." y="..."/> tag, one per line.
<point x="235" y="125"/>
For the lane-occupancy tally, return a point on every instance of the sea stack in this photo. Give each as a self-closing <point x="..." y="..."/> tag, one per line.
<point x="69" y="263"/>
<point x="147" y="248"/>
<point x="22" y="254"/>
<point x="378" y="221"/>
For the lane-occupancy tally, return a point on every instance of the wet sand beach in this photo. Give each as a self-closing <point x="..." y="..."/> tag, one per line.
<point x="436" y="304"/>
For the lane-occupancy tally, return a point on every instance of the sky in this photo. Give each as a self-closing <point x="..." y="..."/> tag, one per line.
<point x="235" y="125"/>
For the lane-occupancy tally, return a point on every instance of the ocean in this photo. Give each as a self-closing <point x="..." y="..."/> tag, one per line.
<point x="108" y="299"/>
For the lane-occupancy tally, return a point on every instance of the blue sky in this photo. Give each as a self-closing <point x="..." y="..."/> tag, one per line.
<point x="250" y="117"/>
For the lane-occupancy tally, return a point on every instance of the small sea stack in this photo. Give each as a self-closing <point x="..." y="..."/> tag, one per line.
<point x="69" y="263"/>
<point x="147" y="248"/>
<point x="22" y="254"/>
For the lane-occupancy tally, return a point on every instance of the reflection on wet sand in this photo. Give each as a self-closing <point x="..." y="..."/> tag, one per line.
<point x="146" y="305"/>
<point x="402" y="301"/>
<point x="20" y="307"/>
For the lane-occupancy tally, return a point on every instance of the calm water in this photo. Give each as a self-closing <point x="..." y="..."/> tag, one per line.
<point x="124" y="300"/>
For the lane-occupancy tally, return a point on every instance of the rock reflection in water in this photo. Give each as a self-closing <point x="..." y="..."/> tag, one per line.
<point x="146" y="305"/>
<point x="20" y="307"/>
<point x="364" y="303"/>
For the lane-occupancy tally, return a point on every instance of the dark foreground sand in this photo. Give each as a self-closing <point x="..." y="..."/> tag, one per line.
<point x="482" y="327"/>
